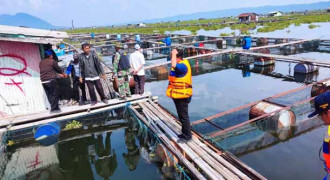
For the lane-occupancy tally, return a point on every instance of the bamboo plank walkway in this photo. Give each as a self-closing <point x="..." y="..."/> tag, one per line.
<point x="195" y="154"/>
<point x="68" y="112"/>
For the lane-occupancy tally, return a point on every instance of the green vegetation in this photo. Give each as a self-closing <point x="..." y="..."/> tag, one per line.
<point x="312" y="26"/>
<point x="73" y="125"/>
<point x="214" y="24"/>
<point x="224" y="34"/>
<point x="297" y="20"/>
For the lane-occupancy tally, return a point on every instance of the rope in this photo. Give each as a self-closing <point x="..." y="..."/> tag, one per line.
<point x="159" y="141"/>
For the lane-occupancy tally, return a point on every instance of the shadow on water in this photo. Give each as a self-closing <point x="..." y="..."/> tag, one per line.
<point x="108" y="145"/>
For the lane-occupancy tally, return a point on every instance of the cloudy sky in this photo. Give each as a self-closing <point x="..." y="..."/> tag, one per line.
<point x="106" y="12"/>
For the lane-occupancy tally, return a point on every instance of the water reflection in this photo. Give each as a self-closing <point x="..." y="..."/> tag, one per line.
<point x="95" y="151"/>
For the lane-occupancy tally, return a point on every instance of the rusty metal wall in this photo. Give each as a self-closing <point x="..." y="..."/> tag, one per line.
<point x="21" y="91"/>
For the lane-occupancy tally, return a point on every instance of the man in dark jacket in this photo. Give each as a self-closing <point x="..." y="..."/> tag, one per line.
<point x="49" y="72"/>
<point x="75" y="75"/>
<point x="90" y="71"/>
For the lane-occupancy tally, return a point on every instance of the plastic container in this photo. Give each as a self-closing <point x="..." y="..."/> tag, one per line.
<point x="305" y="68"/>
<point x="92" y="35"/>
<point x="137" y="38"/>
<point x="168" y="41"/>
<point x="107" y="36"/>
<point x="47" y="134"/>
<point x="247" y="42"/>
<point x="118" y="37"/>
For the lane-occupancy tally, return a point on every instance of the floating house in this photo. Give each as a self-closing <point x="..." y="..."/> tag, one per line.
<point x="247" y="17"/>
<point x="275" y="14"/>
<point x="21" y="50"/>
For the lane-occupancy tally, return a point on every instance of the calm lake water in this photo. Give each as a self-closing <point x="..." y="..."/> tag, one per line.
<point x="219" y="84"/>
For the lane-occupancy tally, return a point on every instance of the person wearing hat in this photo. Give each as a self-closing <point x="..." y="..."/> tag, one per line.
<point x="121" y="69"/>
<point x="180" y="90"/>
<point x="75" y="75"/>
<point x="322" y="108"/>
<point x="49" y="72"/>
<point x="90" y="72"/>
<point x="137" y="63"/>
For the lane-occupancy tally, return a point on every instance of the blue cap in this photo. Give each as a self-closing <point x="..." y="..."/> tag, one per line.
<point x="321" y="104"/>
<point x="48" y="52"/>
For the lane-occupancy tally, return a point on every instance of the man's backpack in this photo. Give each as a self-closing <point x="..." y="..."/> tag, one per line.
<point x="124" y="62"/>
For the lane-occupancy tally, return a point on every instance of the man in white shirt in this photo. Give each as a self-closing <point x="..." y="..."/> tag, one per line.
<point x="137" y="64"/>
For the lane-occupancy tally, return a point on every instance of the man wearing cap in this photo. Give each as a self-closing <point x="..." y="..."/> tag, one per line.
<point x="75" y="75"/>
<point x="90" y="72"/>
<point x="322" y="108"/>
<point x="137" y="63"/>
<point x="121" y="69"/>
<point x="180" y="90"/>
<point x="49" y="72"/>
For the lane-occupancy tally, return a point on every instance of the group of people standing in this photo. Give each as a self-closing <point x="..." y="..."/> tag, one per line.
<point x="86" y="68"/>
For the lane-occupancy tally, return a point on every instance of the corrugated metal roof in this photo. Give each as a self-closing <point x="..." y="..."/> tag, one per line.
<point x="247" y="14"/>
<point x="23" y="34"/>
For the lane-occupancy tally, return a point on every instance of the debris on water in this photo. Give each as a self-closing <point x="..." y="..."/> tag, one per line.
<point x="145" y="155"/>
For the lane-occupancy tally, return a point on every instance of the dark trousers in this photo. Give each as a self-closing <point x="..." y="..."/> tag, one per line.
<point x="76" y="86"/>
<point x="51" y="88"/>
<point x="99" y="89"/>
<point x="139" y="82"/>
<point x="182" y="110"/>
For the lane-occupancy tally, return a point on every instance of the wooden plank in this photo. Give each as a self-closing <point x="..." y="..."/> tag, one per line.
<point x="69" y="116"/>
<point x="16" y="120"/>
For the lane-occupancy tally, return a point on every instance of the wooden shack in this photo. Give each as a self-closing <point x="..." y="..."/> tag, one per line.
<point x="21" y="50"/>
<point x="247" y="17"/>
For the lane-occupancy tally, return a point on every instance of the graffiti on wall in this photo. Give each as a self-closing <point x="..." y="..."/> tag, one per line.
<point x="8" y="71"/>
<point x="19" y="77"/>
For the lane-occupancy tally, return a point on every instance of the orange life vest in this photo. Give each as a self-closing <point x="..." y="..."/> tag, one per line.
<point x="180" y="87"/>
<point x="326" y="150"/>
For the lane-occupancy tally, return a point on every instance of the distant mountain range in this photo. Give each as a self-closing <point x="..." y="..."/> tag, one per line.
<point x="236" y="12"/>
<point x="23" y="19"/>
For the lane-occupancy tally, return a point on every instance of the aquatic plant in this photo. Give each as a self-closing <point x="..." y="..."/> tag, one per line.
<point x="224" y="34"/>
<point x="10" y="143"/>
<point x="312" y="26"/>
<point x="270" y="24"/>
<point x="73" y="125"/>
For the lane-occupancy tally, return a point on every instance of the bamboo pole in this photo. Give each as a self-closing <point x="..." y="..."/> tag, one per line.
<point x="202" y="153"/>
<point x="216" y="158"/>
<point x="214" y="155"/>
<point x="169" y="145"/>
<point x="194" y="156"/>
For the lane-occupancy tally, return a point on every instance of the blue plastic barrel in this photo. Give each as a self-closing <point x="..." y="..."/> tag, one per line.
<point x="168" y="41"/>
<point x="137" y="38"/>
<point x="47" y="134"/>
<point x="62" y="46"/>
<point x="118" y="37"/>
<point x="196" y="44"/>
<point x="92" y="35"/>
<point x="247" y="42"/>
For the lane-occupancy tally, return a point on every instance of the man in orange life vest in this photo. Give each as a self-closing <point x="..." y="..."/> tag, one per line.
<point x="180" y="90"/>
<point x="322" y="108"/>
